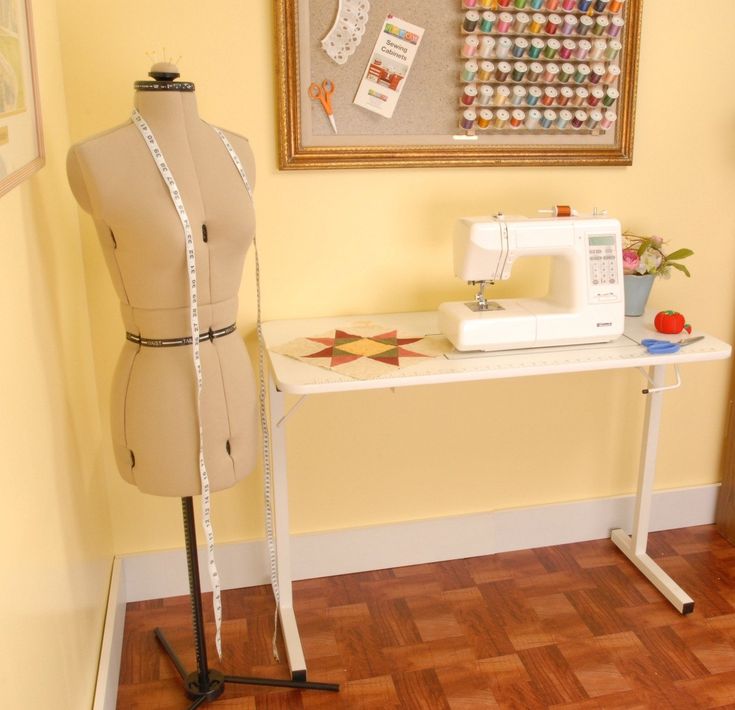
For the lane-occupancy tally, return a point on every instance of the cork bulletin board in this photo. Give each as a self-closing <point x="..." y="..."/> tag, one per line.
<point x="457" y="82"/>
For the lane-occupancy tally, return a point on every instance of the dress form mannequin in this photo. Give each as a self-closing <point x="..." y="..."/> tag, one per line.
<point x="155" y="423"/>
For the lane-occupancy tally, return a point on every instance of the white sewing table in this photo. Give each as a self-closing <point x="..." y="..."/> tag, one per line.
<point x="289" y="376"/>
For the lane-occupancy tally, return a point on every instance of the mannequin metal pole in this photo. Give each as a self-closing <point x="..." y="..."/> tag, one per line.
<point x="204" y="684"/>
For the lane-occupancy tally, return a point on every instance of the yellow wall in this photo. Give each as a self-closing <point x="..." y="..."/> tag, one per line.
<point x="55" y="531"/>
<point x="375" y="457"/>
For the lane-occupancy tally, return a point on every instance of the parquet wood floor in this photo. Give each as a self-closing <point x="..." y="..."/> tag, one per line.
<point x="573" y="626"/>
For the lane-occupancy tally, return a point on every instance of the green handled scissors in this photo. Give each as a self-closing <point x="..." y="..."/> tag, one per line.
<point x="664" y="347"/>
<point x="323" y="94"/>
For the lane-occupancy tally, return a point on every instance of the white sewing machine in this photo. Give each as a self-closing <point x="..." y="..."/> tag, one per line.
<point x="585" y="300"/>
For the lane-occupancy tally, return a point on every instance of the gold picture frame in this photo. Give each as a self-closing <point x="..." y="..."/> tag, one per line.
<point x="21" y="134"/>
<point x="369" y="141"/>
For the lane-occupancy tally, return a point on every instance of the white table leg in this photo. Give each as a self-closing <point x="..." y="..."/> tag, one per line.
<point x="634" y="546"/>
<point x="292" y="641"/>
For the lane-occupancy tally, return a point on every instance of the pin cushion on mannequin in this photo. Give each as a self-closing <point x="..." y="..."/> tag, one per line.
<point x="155" y="422"/>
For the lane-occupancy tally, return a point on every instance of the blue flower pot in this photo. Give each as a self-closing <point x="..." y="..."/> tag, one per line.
<point x="637" y="289"/>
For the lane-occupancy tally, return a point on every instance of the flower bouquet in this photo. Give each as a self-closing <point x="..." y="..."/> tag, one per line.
<point x="644" y="259"/>
<point x="645" y="255"/>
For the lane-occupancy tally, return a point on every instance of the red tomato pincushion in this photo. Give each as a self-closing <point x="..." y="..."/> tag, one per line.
<point x="670" y="322"/>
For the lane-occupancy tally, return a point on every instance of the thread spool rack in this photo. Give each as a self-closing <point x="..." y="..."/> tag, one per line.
<point x="540" y="67"/>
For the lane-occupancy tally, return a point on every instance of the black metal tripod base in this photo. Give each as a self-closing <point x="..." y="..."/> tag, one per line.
<point x="204" y="685"/>
<point x="204" y="689"/>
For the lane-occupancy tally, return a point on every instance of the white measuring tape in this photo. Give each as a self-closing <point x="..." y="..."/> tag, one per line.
<point x="173" y="189"/>
<point x="206" y="497"/>
<point x="267" y="470"/>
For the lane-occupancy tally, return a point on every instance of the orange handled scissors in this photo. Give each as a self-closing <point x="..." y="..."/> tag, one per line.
<point x="323" y="94"/>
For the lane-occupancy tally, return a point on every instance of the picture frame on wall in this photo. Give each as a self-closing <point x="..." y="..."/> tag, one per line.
<point x="467" y="82"/>
<point x="21" y="135"/>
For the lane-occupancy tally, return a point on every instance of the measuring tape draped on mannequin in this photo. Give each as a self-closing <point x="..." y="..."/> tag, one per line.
<point x="194" y="341"/>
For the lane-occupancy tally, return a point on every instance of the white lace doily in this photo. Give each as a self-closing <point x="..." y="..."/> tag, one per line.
<point x="342" y="40"/>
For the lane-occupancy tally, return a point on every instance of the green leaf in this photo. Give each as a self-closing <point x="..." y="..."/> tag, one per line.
<point x="680" y="254"/>
<point x="681" y="268"/>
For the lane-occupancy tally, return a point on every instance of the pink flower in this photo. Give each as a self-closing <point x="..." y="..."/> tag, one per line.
<point x="630" y="261"/>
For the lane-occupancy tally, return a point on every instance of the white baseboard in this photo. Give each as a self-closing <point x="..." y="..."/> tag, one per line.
<point x="108" y="672"/>
<point x="154" y="575"/>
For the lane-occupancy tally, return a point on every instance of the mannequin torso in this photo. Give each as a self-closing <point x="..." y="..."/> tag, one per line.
<point x="154" y="409"/>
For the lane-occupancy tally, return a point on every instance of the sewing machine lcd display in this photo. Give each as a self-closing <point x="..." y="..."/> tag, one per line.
<point x="584" y="302"/>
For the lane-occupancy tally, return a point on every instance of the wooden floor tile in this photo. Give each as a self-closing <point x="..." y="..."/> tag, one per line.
<point x="573" y="626"/>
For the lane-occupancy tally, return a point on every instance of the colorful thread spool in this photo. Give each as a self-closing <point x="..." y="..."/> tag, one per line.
<point x="600" y="26"/>
<point x="504" y="3"/>
<point x="487" y="46"/>
<point x="469" y="94"/>
<point x="485" y="71"/>
<point x="487" y="21"/>
<point x="569" y="25"/>
<point x="517" y="118"/>
<point x="518" y="96"/>
<point x="488" y="4"/>
<point x="485" y="95"/>
<point x="502" y="71"/>
<point x="471" y="20"/>
<point x="584" y="5"/>
<point x="534" y="95"/>
<point x="468" y="120"/>
<point x="613" y="74"/>
<point x="580" y="96"/>
<point x="484" y="118"/>
<point x="567" y="48"/>
<point x="503" y="48"/>
<point x="553" y="23"/>
<point x="535" y="48"/>
<point x="594" y="119"/>
<point x="501" y="118"/>
<point x="616" y="26"/>
<point x="568" y="5"/>
<point x="566" y="94"/>
<point x="612" y="51"/>
<point x="615" y="5"/>
<point x="520" y="69"/>
<point x="578" y="119"/>
<point x="608" y="119"/>
<point x="598" y="49"/>
<point x="551" y="72"/>
<point x="535" y="70"/>
<point x="520" y="4"/>
<point x="600" y="5"/>
<point x="532" y="119"/>
<point x="547" y="118"/>
<point x="550" y="96"/>
<point x="469" y="48"/>
<point x="566" y="72"/>
<point x="469" y="3"/>
<point x="469" y="71"/>
<point x="520" y="46"/>
<point x="537" y="23"/>
<point x="520" y="23"/>
<point x="597" y="74"/>
<point x="552" y="48"/>
<point x="583" y="49"/>
<point x="585" y="25"/>
<point x="611" y="96"/>
<point x="595" y="96"/>
<point x="504" y="23"/>
<point x="551" y="5"/>
<point x="582" y="73"/>
<point x="564" y="118"/>
<point x="537" y="4"/>
<point x="502" y="94"/>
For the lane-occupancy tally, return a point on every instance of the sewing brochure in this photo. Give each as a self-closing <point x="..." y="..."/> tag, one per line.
<point x="390" y="62"/>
